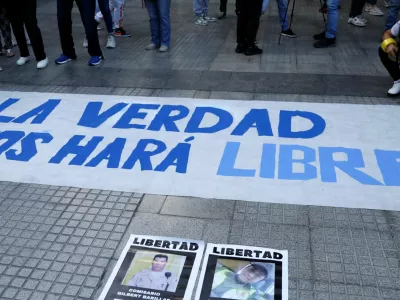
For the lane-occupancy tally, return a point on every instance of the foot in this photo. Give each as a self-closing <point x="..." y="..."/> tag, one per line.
<point x="95" y="60"/>
<point x="63" y="59"/>
<point x="152" y="46"/>
<point x="241" y="48"/>
<point x="42" y="63"/>
<point x="111" y="42"/>
<point x="222" y="16"/>
<point x="163" y="48"/>
<point x="121" y="32"/>
<point x="325" y="43"/>
<point x="376" y="11"/>
<point x="288" y="33"/>
<point x="9" y="53"/>
<point x="209" y="19"/>
<point x="319" y="36"/>
<point x="357" y="21"/>
<point x="201" y="21"/>
<point x="395" y="90"/>
<point x="252" y="50"/>
<point x="85" y="43"/>
<point x="22" y="61"/>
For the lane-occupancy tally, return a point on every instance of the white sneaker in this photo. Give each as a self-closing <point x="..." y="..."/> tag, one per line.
<point x="201" y="21"/>
<point x="151" y="46"/>
<point x="163" y="48"/>
<point x="376" y="11"/>
<point x="357" y="21"/>
<point x="85" y="43"/>
<point x="43" y="63"/>
<point x="209" y="19"/>
<point x="368" y="7"/>
<point x="395" y="90"/>
<point x="387" y="4"/>
<point x="111" y="42"/>
<point x="22" y="61"/>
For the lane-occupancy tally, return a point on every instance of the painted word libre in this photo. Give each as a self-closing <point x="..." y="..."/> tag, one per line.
<point x="276" y="161"/>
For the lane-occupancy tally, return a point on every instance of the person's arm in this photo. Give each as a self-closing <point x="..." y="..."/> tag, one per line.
<point x="392" y="48"/>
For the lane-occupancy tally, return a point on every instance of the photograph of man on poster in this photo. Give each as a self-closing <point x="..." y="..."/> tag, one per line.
<point x="159" y="272"/>
<point x="242" y="280"/>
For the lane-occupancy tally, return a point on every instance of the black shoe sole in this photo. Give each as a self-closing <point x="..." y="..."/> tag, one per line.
<point x="393" y="95"/>
<point x="251" y="54"/>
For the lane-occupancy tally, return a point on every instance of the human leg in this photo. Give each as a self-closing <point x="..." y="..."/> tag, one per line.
<point x="154" y="16"/>
<point x="163" y="7"/>
<point x="393" y="13"/>
<point x="106" y="13"/>
<point x="64" y="10"/>
<point x="393" y="69"/>
<point x="34" y="33"/>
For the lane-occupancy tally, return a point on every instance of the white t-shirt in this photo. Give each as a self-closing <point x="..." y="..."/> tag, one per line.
<point x="396" y="29"/>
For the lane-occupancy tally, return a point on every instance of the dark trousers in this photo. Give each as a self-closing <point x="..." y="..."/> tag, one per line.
<point x="86" y="9"/>
<point x="104" y="7"/>
<point x="5" y="29"/>
<point x="391" y="66"/>
<point x="249" y="13"/>
<point x="23" y="13"/>
<point x="356" y="8"/>
<point x="222" y="5"/>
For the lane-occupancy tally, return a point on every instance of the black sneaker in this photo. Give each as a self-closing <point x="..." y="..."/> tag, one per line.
<point x="289" y="33"/>
<point x="241" y="48"/>
<point x="319" y="36"/>
<point x="325" y="43"/>
<point x="252" y="50"/>
<point x="121" y="32"/>
<point x="222" y="16"/>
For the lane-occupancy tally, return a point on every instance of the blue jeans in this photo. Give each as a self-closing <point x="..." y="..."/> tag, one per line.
<point x="160" y="25"/>
<point x="393" y="13"/>
<point x="333" y="17"/>
<point x="200" y="7"/>
<point x="282" y="8"/>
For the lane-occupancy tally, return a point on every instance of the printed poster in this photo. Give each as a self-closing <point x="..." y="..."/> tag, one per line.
<point x="243" y="273"/>
<point x="155" y="268"/>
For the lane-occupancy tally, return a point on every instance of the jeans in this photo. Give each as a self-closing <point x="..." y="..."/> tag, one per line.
<point x="86" y="9"/>
<point x="23" y="12"/>
<point x="391" y="66"/>
<point x="333" y="17"/>
<point x="160" y="25"/>
<point x="393" y="13"/>
<point x="200" y="7"/>
<point x="104" y="7"/>
<point x="356" y="8"/>
<point x="283" y="13"/>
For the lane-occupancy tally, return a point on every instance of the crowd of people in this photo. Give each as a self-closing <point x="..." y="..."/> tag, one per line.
<point x="23" y="24"/>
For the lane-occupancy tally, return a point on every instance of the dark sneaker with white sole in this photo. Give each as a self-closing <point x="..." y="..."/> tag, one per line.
<point x="325" y="43"/>
<point x="253" y="50"/>
<point x="289" y="33"/>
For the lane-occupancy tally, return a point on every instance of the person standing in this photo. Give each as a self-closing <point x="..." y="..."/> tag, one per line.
<point x="248" y="21"/>
<point x="103" y="7"/>
<point x="86" y="9"/>
<point x="118" y="10"/>
<point x="327" y="38"/>
<point x="284" y="19"/>
<point x="6" y="32"/>
<point x="222" y="8"/>
<point x="160" y="25"/>
<point x="26" y="16"/>
<point x="201" y="11"/>
<point x="355" y="16"/>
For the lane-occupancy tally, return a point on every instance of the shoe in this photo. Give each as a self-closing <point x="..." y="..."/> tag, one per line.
<point x="1" y="52"/>
<point x="325" y="43"/>
<point x="111" y="42"/>
<point x="368" y="7"/>
<point x="163" y="48"/>
<point x="252" y="50"/>
<point x="63" y="59"/>
<point x="85" y="43"/>
<point x="9" y="53"/>
<point x="395" y="90"/>
<point x="357" y="21"/>
<point x="152" y="46"/>
<point x="319" y="36"/>
<point x="387" y="4"/>
<point x="43" y="63"/>
<point x="209" y="19"/>
<point x="201" y="21"/>
<point x="22" y="61"/>
<point x="121" y="32"/>
<point x="222" y="16"/>
<point x="376" y="11"/>
<point x="241" y="48"/>
<point x="289" y="33"/>
<point x="95" y="60"/>
<point x="98" y="25"/>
